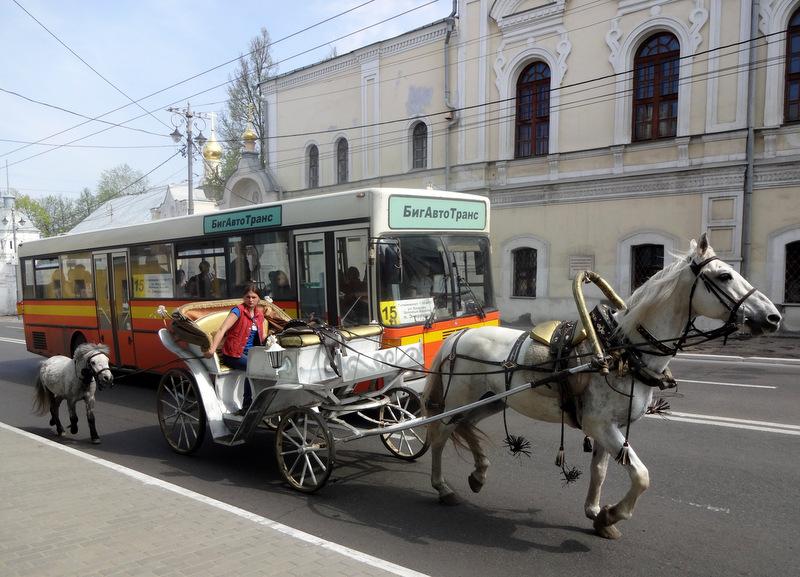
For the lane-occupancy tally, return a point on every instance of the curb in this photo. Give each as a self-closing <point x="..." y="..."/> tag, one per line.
<point x="738" y="359"/>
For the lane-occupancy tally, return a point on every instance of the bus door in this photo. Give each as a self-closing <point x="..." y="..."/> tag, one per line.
<point x="113" y="306"/>
<point x="352" y="277"/>
<point x="312" y="277"/>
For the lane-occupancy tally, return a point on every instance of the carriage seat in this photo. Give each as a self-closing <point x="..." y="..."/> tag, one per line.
<point x="543" y="333"/>
<point x="197" y="323"/>
<point x="301" y="337"/>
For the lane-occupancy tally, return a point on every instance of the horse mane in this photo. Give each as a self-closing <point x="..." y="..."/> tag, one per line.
<point x="85" y="349"/>
<point x="654" y="292"/>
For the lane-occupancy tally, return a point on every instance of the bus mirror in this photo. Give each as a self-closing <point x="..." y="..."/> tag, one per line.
<point x="391" y="261"/>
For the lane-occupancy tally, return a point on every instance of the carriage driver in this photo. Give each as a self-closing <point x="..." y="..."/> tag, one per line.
<point x="242" y="329"/>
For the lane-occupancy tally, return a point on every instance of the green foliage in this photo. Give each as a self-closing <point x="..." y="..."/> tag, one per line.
<point x="54" y="215"/>
<point x="117" y="181"/>
<point x="244" y="99"/>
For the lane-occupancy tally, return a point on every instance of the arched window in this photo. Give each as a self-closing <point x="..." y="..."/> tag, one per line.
<point x="533" y="111"/>
<point x="341" y="161"/>
<point x="419" y="146"/>
<point x="655" y="88"/>
<point x="646" y="260"/>
<point x="792" y="280"/>
<point x="524" y="272"/>
<point x="792" y="97"/>
<point x="313" y="166"/>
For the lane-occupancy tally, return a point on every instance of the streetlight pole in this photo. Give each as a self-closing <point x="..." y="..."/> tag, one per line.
<point x="189" y="115"/>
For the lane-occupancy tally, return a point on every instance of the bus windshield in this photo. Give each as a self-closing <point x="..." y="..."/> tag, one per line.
<point x="442" y="277"/>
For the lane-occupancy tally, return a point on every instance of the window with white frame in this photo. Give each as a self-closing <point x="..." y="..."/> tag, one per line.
<point x="655" y="88"/>
<point x="646" y="260"/>
<point x="525" y="263"/>
<point x="792" y="89"/>
<point x="313" y="166"/>
<point x="341" y="161"/>
<point x="791" y="286"/>
<point x="532" y="134"/>
<point x="419" y="146"/>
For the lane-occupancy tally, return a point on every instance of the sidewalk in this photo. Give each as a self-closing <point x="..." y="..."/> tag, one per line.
<point x="67" y="513"/>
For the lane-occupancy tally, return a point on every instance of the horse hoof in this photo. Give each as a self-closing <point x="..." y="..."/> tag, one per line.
<point x="450" y="499"/>
<point x="59" y="433"/>
<point x="608" y="532"/>
<point x="474" y="484"/>
<point x="73" y="429"/>
<point x="52" y="422"/>
<point x="95" y="441"/>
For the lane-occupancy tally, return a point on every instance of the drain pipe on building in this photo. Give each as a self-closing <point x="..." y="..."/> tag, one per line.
<point x="452" y="113"/>
<point x="749" y="176"/>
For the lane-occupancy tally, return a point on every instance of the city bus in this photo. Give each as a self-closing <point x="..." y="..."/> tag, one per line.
<point x="415" y="261"/>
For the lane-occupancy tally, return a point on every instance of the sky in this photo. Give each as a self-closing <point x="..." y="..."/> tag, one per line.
<point x="143" y="47"/>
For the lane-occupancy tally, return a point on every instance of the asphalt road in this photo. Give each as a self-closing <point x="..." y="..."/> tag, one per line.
<point x="723" y="498"/>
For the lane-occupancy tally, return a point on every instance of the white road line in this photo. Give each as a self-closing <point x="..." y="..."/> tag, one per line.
<point x="280" y="527"/>
<point x="734" y="420"/>
<point x="767" y="427"/>
<point x="727" y="384"/>
<point x="10" y="340"/>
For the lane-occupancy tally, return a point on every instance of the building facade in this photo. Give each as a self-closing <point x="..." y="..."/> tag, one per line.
<point x="606" y="134"/>
<point x="14" y="230"/>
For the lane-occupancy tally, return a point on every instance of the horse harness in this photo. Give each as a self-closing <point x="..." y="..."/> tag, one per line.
<point x="88" y="373"/>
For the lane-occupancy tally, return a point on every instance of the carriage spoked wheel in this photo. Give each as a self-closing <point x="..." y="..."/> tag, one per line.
<point x="180" y="412"/>
<point x="404" y="404"/>
<point x="304" y="449"/>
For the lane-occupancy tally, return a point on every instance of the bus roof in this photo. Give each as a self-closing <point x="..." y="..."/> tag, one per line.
<point x="389" y="209"/>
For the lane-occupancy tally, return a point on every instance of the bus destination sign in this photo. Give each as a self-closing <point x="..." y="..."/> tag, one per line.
<point x="242" y="220"/>
<point x="436" y="213"/>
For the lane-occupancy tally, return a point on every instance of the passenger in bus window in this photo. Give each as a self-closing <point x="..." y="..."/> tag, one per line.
<point x="354" y="306"/>
<point x="201" y="284"/>
<point x="180" y="283"/>
<point x="279" y="287"/>
<point x="242" y="275"/>
<point x="241" y="330"/>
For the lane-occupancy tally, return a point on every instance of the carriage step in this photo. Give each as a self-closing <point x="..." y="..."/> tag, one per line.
<point x="229" y="440"/>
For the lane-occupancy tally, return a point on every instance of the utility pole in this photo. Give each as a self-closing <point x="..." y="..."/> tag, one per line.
<point x="176" y="135"/>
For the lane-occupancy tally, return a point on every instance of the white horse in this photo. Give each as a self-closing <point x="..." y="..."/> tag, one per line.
<point x="72" y="379"/>
<point x="480" y="363"/>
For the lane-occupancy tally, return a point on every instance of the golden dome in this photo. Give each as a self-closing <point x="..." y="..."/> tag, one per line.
<point x="212" y="150"/>
<point x="249" y="134"/>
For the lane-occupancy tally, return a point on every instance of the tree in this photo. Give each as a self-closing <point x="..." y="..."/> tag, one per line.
<point x="243" y="99"/>
<point x="86" y="203"/>
<point x="52" y="215"/>
<point x="118" y="181"/>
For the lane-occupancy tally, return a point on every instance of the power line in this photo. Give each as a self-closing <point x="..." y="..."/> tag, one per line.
<point x="92" y="68"/>
<point x="181" y="82"/>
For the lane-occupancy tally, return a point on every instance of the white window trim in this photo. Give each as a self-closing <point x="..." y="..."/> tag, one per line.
<point x="542" y="265"/>
<point x="307" y="164"/>
<point x="408" y="163"/>
<point x="774" y="17"/>
<point x="621" y="58"/>
<point x="336" y="160"/>
<point x="507" y="86"/>
<point x="776" y="261"/>
<point x="623" y="280"/>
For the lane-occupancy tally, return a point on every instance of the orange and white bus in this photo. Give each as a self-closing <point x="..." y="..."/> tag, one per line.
<point x="416" y="261"/>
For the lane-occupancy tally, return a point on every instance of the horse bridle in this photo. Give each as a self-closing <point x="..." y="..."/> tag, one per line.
<point x="88" y="373"/>
<point x="727" y="301"/>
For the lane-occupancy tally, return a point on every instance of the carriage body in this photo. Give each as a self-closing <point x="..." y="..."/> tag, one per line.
<point x="323" y="386"/>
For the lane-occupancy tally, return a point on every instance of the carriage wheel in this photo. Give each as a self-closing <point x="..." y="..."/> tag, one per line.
<point x="304" y="448"/>
<point x="404" y="404"/>
<point x="180" y="412"/>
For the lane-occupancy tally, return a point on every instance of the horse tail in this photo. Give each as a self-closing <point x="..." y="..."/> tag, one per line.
<point x="41" y="400"/>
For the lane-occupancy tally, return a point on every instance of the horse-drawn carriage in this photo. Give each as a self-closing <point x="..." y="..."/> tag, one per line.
<point x="315" y="385"/>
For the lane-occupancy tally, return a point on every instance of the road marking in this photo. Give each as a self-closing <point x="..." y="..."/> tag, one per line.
<point x="712" y="508"/>
<point x="766" y="426"/>
<point x="10" y="340"/>
<point x="258" y="519"/>
<point x="727" y="384"/>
